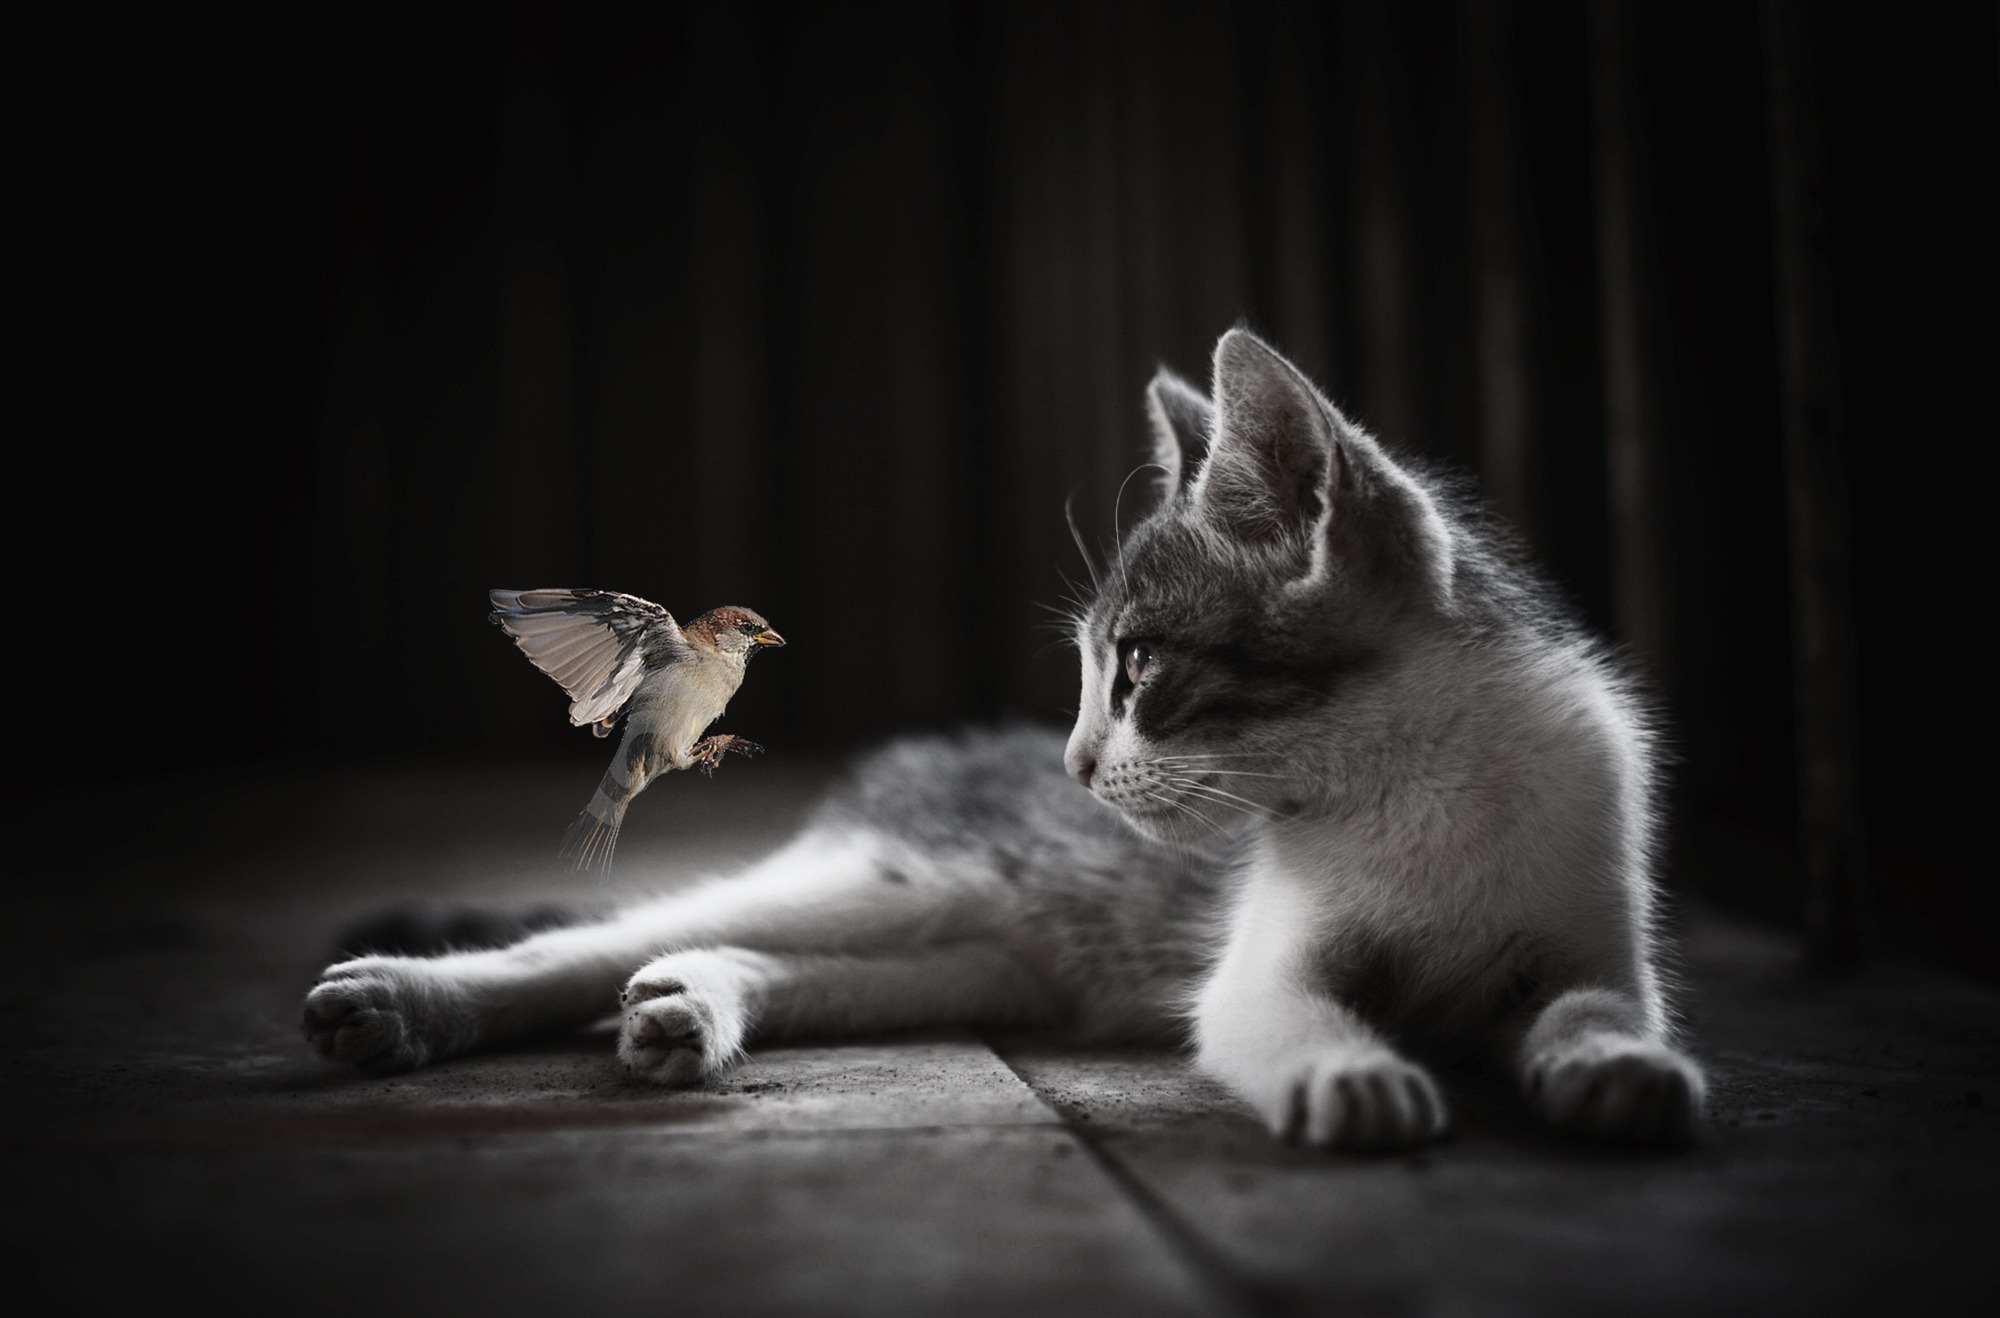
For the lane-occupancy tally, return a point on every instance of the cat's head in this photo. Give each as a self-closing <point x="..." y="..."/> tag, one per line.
<point x="1235" y="636"/>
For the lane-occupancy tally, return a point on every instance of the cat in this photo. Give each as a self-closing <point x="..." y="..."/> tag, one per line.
<point x="1346" y="783"/>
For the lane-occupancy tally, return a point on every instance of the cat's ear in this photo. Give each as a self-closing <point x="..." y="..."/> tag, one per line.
<point x="1286" y="471"/>
<point x="1273" y="459"/>
<point x="1183" y="420"/>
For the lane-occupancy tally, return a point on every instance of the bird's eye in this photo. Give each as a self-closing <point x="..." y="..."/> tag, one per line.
<point x="1136" y="657"/>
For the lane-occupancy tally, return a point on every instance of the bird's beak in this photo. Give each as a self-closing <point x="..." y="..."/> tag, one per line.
<point x="768" y="637"/>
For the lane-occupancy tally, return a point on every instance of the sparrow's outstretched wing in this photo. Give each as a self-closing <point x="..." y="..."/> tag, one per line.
<point x="599" y="645"/>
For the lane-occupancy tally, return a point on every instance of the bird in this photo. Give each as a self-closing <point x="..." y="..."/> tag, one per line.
<point x="622" y="656"/>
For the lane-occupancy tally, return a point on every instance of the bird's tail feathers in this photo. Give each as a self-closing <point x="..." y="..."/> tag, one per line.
<point x="590" y="842"/>
<point x="593" y="838"/>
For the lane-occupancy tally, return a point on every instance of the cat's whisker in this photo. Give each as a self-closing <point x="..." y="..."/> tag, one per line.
<point x="1200" y="775"/>
<point x="1197" y="815"/>
<point x="1078" y="609"/>
<point x="1067" y="624"/>
<point x="1209" y="791"/>
<point x="1070" y="613"/>
<point x="1207" y="772"/>
<point x="1117" y="521"/>
<point x="1171" y="803"/>
<point x="1214" y="755"/>
<point x="1244" y="802"/>
<point x="1252" y="812"/>
<point x="1171" y="767"/>
<point x="1089" y="563"/>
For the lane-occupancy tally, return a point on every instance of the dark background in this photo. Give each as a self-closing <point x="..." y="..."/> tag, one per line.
<point x="828" y="310"/>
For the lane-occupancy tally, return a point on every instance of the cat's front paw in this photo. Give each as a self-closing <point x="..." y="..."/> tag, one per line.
<point x="382" y="1014"/>
<point x="675" y="1030"/>
<point x="1371" y="1099"/>
<point x="1614" y="1088"/>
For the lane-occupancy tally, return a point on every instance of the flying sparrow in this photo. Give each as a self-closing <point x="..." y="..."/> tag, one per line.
<point x="621" y="655"/>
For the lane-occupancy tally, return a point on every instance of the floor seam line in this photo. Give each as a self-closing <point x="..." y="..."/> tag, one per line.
<point x="1203" y="1259"/>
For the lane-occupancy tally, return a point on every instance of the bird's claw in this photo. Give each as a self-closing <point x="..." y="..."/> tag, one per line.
<point x="709" y="753"/>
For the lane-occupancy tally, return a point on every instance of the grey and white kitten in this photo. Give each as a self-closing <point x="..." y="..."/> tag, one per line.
<point x="1368" y="789"/>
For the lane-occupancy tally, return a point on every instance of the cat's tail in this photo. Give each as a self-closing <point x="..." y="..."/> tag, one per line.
<point x="593" y="838"/>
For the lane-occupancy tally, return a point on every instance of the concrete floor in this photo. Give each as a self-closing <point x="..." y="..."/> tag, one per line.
<point x="169" y="1138"/>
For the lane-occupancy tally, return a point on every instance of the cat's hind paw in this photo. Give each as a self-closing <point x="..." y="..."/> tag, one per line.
<point x="1367" y="1100"/>
<point x="675" y="1031"/>
<point x="378" y="1013"/>
<point x="1634" y="1091"/>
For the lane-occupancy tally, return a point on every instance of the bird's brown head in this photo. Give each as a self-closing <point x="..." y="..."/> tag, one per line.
<point x="735" y="631"/>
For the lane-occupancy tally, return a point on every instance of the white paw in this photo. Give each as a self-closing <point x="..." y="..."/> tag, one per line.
<point x="676" y="1033"/>
<point x="1632" y="1090"/>
<point x="1360" y="1100"/>
<point x="384" y="1014"/>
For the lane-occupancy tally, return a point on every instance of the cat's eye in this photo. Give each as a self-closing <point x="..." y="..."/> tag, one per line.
<point x="1137" y="657"/>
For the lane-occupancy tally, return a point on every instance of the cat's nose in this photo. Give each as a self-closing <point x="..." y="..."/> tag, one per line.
<point x="1080" y="753"/>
